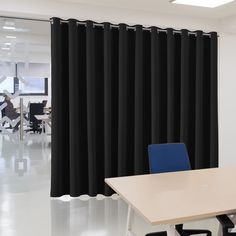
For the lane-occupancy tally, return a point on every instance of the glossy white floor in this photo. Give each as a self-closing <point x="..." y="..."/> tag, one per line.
<point x="27" y="210"/>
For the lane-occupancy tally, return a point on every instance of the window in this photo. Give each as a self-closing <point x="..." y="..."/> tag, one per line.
<point x="32" y="86"/>
<point x="7" y="84"/>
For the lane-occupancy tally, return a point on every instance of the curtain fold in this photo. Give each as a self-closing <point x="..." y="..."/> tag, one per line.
<point x="107" y="103"/>
<point x="155" y="87"/>
<point x="117" y="89"/>
<point x="123" y="102"/>
<point x="170" y="87"/>
<point x="184" y="103"/>
<point x="138" y="106"/>
<point x="199" y="101"/>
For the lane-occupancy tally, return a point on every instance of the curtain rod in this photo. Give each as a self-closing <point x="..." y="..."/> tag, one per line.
<point x="99" y="25"/>
<point x="24" y="18"/>
<point x="133" y="27"/>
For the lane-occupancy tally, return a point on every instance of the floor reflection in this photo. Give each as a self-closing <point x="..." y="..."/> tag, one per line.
<point x="88" y="218"/>
<point x="25" y="204"/>
<point x="26" y="208"/>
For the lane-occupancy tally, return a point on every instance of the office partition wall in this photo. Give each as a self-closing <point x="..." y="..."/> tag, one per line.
<point x="118" y="88"/>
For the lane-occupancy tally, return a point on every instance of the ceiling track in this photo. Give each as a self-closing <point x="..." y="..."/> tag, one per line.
<point x="96" y="24"/>
<point x="24" y="18"/>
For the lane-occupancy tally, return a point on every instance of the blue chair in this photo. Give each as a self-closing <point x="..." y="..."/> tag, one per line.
<point x="171" y="157"/>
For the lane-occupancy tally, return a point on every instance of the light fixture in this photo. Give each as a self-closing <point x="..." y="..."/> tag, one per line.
<point x="7" y="44"/>
<point x="203" y="3"/>
<point x="6" y="27"/>
<point x="10" y="37"/>
<point x="5" y="48"/>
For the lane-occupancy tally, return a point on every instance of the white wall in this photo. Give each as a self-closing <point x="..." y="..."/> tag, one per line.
<point x="227" y="99"/>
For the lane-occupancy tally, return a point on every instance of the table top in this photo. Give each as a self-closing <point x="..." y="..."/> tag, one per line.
<point x="178" y="197"/>
<point x="42" y="117"/>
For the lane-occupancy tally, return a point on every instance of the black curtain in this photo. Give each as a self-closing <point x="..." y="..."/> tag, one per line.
<point x="117" y="89"/>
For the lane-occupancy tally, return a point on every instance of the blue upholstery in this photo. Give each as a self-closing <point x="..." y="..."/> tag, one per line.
<point x="171" y="157"/>
<point x="168" y="157"/>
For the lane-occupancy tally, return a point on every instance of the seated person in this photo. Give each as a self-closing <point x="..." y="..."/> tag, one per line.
<point x="10" y="111"/>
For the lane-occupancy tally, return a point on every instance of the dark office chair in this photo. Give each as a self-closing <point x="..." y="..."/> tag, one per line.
<point x="169" y="158"/>
<point x="35" y="109"/>
<point x="44" y="103"/>
<point x="3" y="110"/>
<point x="226" y="224"/>
<point x="3" y="113"/>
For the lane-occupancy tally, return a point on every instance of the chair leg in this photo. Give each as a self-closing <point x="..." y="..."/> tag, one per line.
<point x="226" y="224"/>
<point x="188" y="232"/>
<point x="157" y="234"/>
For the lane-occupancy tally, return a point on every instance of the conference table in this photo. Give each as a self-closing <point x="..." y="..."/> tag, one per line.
<point x="177" y="197"/>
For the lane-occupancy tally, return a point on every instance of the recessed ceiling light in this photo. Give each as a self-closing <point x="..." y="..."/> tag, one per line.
<point x="7" y="44"/>
<point x="3" y="48"/>
<point x="10" y="37"/>
<point x="202" y="3"/>
<point x="9" y="27"/>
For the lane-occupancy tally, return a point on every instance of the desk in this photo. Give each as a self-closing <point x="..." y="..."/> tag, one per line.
<point x="178" y="197"/>
<point x="45" y="120"/>
<point x="47" y="110"/>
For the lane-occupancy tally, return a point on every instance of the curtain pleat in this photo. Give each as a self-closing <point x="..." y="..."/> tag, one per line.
<point x="170" y="86"/>
<point x="138" y="118"/>
<point x="60" y="116"/>
<point x="116" y="89"/>
<point x="155" y="87"/>
<point x="91" y="109"/>
<point x="123" y="108"/>
<point x="184" y="103"/>
<point x="107" y="104"/>
<point x="199" y="155"/>
<point x="75" y="165"/>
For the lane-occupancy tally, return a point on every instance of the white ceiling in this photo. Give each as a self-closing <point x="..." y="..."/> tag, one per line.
<point x="30" y="27"/>
<point x="162" y="6"/>
<point x="32" y="42"/>
<point x="161" y="13"/>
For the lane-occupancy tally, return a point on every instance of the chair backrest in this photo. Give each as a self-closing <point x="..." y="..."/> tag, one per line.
<point x="3" y="112"/>
<point x="35" y="109"/>
<point x="168" y="157"/>
<point x="44" y="103"/>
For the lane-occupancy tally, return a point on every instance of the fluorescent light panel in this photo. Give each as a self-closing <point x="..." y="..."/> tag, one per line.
<point x="9" y="27"/>
<point x="10" y="37"/>
<point x="8" y="44"/>
<point x="3" y="48"/>
<point x="203" y="3"/>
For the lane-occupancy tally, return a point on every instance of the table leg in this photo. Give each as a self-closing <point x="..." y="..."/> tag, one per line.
<point x="219" y="230"/>
<point x="171" y="231"/>
<point x="43" y="127"/>
<point x="128" y="223"/>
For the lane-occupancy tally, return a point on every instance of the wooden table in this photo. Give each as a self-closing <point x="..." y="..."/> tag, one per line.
<point x="178" y="197"/>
